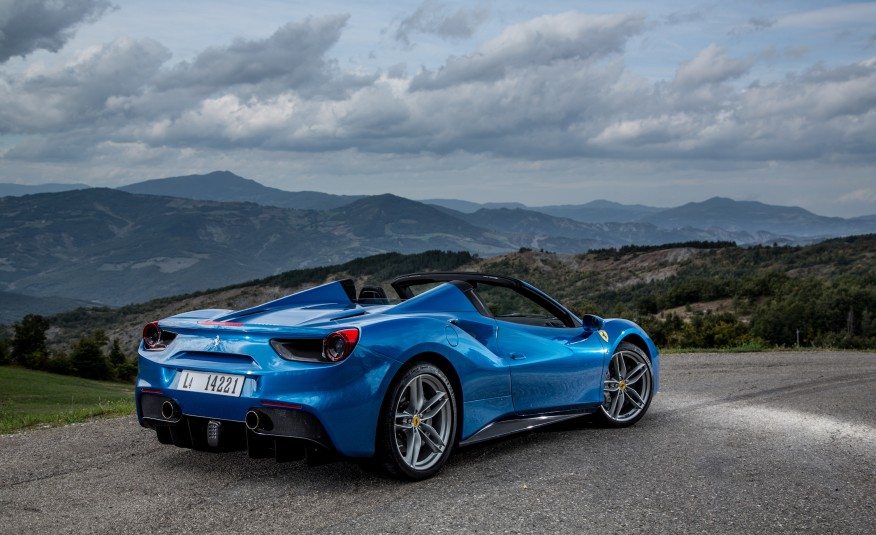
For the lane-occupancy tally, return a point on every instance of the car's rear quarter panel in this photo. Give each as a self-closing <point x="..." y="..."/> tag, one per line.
<point x="483" y="377"/>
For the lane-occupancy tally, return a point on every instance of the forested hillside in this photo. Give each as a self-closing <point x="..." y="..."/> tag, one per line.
<point x="688" y="295"/>
<point x="718" y="297"/>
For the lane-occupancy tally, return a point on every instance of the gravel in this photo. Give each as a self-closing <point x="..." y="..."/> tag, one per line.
<point x="779" y="442"/>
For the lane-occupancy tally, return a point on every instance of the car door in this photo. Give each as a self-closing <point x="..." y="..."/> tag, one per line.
<point x="552" y="366"/>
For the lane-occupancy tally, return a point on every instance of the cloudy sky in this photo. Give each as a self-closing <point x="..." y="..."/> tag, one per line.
<point x="541" y="102"/>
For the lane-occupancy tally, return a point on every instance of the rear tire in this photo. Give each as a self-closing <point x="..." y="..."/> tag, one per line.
<point x="627" y="387"/>
<point x="418" y="425"/>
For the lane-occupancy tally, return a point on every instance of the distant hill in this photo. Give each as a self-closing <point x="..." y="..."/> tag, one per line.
<point x="115" y="247"/>
<point x="871" y="218"/>
<point x="7" y="189"/>
<point x="752" y="216"/>
<point x="14" y="306"/>
<point x="379" y="215"/>
<point x="468" y="207"/>
<point x="720" y="217"/>
<point x="538" y="230"/>
<point x="723" y="218"/>
<point x="226" y="186"/>
<point x="600" y="211"/>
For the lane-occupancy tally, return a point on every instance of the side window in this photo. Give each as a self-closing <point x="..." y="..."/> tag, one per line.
<point x="508" y="305"/>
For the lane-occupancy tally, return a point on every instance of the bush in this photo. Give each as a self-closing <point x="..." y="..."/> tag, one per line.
<point x="5" y="358"/>
<point x="60" y="363"/>
<point x="29" y="343"/>
<point x="88" y="358"/>
<point x="125" y="370"/>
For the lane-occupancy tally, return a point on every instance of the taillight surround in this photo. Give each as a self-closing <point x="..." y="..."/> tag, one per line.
<point x="338" y="345"/>
<point x="331" y="349"/>
<point x="156" y="339"/>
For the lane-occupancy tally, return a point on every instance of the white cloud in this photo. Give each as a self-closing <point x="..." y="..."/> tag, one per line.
<point x="554" y="88"/>
<point x="437" y="18"/>
<point x="83" y="92"/>
<point x="540" y="41"/>
<point x="711" y="65"/>
<point x="294" y="54"/>
<point x="859" y="13"/>
<point x="26" y="26"/>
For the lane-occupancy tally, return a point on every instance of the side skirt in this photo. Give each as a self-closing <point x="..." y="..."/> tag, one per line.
<point x="512" y="426"/>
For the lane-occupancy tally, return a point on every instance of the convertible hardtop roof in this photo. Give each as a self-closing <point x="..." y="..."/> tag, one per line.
<point x="465" y="276"/>
<point x="402" y="287"/>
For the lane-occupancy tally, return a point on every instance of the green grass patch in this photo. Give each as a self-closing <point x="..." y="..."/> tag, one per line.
<point x="29" y="398"/>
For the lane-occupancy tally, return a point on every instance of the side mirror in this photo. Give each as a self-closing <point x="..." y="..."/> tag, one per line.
<point x="592" y="322"/>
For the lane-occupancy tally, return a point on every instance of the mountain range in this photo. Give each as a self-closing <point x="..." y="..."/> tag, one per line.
<point x="8" y="189"/>
<point x="714" y="213"/>
<point x="181" y="234"/>
<point x="115" y="247"/>
<point x="598" y="211"/>
<point x="228" y="187"/>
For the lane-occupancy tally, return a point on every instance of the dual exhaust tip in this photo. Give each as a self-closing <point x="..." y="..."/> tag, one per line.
<point x="254" y="420"/>
<point x="258" y="421"/>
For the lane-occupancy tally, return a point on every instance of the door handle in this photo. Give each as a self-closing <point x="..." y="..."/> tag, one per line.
<point x="517" y="356"/>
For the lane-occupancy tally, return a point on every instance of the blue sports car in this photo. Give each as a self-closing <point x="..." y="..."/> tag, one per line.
<point x="453" y="359"/>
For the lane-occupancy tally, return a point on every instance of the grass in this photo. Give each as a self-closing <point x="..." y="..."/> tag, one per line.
<point x="29" y="398"/>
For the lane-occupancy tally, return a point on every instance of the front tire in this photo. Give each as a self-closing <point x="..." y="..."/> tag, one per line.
<point x="627" y="388"/>
<point x="418" y="424"/>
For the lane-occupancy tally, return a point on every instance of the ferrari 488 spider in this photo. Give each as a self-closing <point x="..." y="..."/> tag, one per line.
<point x="453" y="359"/>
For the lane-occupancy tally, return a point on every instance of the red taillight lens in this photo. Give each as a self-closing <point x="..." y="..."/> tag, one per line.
<point x="154" y="339"/>
<point x="338" y="345"/>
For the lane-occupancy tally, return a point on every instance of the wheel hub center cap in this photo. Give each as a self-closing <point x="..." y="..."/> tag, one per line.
<point x="415" y="421"/>
<point x="622" y="385"/>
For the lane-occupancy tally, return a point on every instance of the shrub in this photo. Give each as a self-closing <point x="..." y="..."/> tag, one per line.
<point x="123" y="367"/>
<point x="4" y="352"/>
<point x="88" y="358"/>
<point x="60" y="363"/>
<point x="29" y="342"/>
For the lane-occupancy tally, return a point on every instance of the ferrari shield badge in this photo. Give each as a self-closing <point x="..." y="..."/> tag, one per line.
<point x="603" y="335"/>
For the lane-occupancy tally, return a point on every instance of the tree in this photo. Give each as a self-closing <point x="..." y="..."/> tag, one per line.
<point x="88" y="358"/>
<point x="60" y="363"/>
<point x="4" y="351"/>
<point x="124" y="368"/>
<point x="29" y="342"/>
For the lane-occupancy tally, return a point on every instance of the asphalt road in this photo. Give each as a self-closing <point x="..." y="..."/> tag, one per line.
<point x="762" y="442"/>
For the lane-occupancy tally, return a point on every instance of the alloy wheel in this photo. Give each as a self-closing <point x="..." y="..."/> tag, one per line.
<point x="627" y="386"/>
<point x="423" y="421"/>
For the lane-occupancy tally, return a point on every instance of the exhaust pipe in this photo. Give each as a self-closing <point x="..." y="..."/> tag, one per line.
<point x="257" y="421"/>
<point x="169" y="410"/>
<point x="251" y="420"/>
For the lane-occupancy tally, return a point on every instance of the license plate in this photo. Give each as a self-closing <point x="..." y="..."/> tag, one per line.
<point x="211" y="383"/>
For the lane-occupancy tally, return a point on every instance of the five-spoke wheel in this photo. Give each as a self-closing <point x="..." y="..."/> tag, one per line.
<point x="627" y="386"/>
<point x="418" y="439"/>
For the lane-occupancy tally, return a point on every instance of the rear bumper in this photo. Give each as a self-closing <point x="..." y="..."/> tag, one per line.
<point x="332" y="407"/>
<point x="285" y="434"/>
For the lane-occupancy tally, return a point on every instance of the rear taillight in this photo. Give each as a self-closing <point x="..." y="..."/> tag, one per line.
<point x="339" y="344"/>
<point x="155" y="339"/>
<point x="333" y="348"/>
